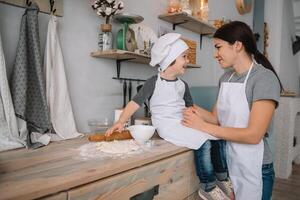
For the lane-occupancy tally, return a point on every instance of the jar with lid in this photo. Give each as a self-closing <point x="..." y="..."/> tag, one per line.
<point x="173" y="6"/>
<point x="200" y="9"/>
<point x="105" y="39"/>
<point x="185" y="6"/>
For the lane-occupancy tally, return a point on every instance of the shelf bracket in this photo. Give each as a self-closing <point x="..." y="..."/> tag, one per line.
<point x="118" y="64"/>
<point x="176" y="24"/>
<point x="201" y="37"/>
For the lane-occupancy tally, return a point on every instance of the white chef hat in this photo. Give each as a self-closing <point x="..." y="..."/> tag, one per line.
<point x="166" y="49"/>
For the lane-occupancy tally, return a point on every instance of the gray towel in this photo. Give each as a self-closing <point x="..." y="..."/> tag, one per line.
<point x="27" y="80"/>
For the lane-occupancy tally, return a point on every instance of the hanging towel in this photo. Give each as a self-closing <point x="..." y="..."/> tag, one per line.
<point x="9" y="135"/>
<point x="27" y="80"/>
<point x="57" y="93"/>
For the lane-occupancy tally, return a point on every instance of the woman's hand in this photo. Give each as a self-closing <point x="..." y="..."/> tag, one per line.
<point x="196" y="108"/>
<point x="118" y="126"/>
<point x="192" y="118"/>
<point x="210" y="117"/>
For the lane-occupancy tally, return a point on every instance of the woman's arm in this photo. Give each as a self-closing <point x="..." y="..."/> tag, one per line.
<point x="259" y="120"/>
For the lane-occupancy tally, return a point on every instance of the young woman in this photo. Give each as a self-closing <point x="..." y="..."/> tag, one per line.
<point x="248" y="95"/>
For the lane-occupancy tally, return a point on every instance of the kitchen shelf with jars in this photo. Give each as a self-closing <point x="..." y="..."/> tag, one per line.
<point x="188" y="22"/>
<point x="189" y="14"/>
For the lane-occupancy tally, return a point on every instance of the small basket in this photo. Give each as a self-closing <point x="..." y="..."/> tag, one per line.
<point x="192" y="50"/>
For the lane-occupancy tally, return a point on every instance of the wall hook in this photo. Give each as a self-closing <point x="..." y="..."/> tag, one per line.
<point x="28" y="3"/>
<point x="52" y="9"/>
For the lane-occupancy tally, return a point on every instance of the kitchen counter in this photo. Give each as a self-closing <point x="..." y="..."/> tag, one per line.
<point x="57" y="171"/>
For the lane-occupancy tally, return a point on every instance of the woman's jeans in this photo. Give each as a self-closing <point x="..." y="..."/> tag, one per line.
<point x="268" y="175"/>
<point x="210" y="160"/>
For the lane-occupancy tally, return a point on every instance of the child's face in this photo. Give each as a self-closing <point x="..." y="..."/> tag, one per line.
<point x="180" y="64"/>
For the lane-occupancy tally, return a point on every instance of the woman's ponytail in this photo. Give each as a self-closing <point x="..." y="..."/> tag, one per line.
<point x="261" y="59"/>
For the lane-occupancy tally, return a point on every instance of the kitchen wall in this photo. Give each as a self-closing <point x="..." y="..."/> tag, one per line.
<point x="94" y="94"/>
<point x="282" y="32"/>
<point x="296" y="9"/>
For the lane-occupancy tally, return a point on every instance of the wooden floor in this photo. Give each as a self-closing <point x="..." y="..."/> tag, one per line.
<point x="288" y="189"/>
<point x="284" y="189"/>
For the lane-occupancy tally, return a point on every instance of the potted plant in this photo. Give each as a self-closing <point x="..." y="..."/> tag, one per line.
<point x="106" y="9"/>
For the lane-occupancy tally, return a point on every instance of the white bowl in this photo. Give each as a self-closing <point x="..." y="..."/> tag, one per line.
<point x="141" y="133"/>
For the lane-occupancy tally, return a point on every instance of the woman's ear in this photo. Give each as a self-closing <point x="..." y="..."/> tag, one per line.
<point x="238" y="46"/>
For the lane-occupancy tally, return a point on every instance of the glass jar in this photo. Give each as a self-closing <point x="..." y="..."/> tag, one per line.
<point x="200" y="9"/>
<point x="173" y="6"/>
<point x="105" y="40"/>
<point x="204" y="10"/>
<point x="185" y="6"/>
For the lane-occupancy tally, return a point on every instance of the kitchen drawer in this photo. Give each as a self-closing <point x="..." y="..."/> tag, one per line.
<point x="175" y="176"/>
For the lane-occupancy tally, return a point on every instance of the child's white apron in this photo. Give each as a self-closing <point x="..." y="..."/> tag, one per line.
<point x="166" y="106"/>
<point x="244" y="160"/>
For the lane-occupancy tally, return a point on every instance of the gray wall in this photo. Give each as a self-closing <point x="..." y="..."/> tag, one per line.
<point x="281" y="34"/>
<point x="93" y="92"/>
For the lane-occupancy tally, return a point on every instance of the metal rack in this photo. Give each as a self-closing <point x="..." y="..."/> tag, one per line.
<point x="48" y="7"/>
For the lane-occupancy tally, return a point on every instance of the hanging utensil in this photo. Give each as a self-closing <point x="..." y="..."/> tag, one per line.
<point x="138" y="88"/>
<point x="129" y="91"/>
<point x="124" y="93"/>
<point x="146" y="107"/>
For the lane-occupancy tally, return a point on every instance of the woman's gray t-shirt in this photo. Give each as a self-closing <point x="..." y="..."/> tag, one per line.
<point x="262" y="84"/>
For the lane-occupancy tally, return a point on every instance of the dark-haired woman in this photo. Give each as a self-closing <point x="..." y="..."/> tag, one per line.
<point x="248" y="96"/>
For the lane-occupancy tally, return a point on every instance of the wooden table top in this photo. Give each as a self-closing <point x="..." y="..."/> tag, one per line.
<point x="28" y="174"/>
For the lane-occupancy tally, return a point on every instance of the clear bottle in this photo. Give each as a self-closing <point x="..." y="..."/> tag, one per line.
<point x="200" y="9"/>
<point x="185" y="6"/>
<point x="204" y="10"/>
<point x="105" y="40"/>
<point x="173" y="6"/>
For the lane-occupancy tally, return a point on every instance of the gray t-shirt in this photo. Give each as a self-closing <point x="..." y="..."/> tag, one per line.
<point x="147" y="90"/>
<point x="262" y="84"/>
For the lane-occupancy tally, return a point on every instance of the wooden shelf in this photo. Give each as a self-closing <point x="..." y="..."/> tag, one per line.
<point x="189" y="22"/>
<point x="117" y="54"/>
<point x="122" y="55"/>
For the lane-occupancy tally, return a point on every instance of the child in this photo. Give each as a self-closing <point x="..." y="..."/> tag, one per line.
<point x="168" y="96"/>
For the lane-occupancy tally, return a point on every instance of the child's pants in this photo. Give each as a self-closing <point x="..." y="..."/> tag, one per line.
<point x="210" y="160"/>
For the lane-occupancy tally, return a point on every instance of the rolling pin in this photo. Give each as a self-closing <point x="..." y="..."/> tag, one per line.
<point x="123" y="135"/>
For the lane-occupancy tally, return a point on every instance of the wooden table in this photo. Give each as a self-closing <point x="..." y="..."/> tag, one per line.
<point x="58" y="172"/>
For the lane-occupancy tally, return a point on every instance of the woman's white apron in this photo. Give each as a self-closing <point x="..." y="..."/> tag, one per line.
<point x="244" y="160"/>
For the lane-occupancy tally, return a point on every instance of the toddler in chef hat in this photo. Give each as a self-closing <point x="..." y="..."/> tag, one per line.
<point x="169" y="96"/>
<point x="166" y="50"/>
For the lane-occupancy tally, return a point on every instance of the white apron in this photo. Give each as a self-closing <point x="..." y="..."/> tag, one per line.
<point x="244" y="160"/>
<point x="166" y="106"/>
<point x="9" y="135"/>
<point x="57" y="93"/>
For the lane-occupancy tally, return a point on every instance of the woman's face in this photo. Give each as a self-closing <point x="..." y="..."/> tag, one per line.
<point x="224" y="53"/>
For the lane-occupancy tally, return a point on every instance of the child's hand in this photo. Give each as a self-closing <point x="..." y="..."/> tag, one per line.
<point x="118" y="126"/>
<point x="194" y="109"/>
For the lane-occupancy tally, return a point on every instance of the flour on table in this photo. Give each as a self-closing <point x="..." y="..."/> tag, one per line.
<point x="118" y="147"/>
<point x="114" y="149"/>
